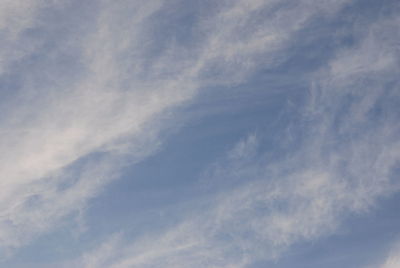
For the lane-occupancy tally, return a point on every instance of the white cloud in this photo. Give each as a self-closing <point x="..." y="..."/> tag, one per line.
<point x="392" y="260"/>
<point x="344" y="164"/>
<point x="115" y="105"/>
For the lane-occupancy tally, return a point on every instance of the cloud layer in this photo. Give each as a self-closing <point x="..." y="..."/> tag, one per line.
<point x="87" y="93"/>
<point x="344" y="163"/>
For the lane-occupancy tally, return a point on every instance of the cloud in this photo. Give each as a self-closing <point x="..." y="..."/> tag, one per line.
<point x="345" y="161"/>
<point x="392" y="259"/>
<point x="78" y="105"/>
<point x="392" y="262"/>
<point x="66" y="134"/>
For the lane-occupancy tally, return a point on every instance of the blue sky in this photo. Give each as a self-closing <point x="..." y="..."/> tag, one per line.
<point x="232" y="133"/>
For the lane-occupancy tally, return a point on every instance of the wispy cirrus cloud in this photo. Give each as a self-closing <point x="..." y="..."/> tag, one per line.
<point x="74" y="97"/>
<point x="393" y="260"/>
<point x="344" y="162"/>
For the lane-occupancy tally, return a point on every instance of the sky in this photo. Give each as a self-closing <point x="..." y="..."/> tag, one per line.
<point x="200" y="133"/>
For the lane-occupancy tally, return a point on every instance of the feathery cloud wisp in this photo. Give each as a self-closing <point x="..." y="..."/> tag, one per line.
<point x="114" y="104"/>
<point x="343" y="165"/>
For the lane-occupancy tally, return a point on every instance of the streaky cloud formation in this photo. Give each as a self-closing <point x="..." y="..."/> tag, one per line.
<point x="343" y="165"/>
<point x="47" y="130"/>
<point x="92" y="90"/>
